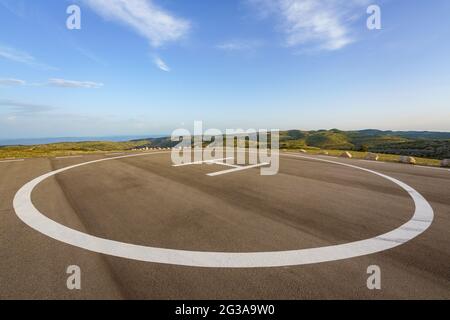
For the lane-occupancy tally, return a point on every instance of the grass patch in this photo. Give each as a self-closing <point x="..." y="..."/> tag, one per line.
<point x="66" y="149"/>
<point x="100" y="147"/>
<point x="383" y="157"/>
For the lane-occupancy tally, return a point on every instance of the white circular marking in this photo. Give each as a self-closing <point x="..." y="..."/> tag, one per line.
<point x="421" y="221"/>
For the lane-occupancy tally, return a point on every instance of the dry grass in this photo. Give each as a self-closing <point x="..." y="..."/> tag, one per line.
<point x="383" y="157"/>
<point x="66" y="149"/>
<point x="81" y="148"/>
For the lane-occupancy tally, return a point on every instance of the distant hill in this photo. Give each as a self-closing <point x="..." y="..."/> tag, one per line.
<point x="415" y="143"/>
<point x="435" y="145"/>
<point x="44" y="141"/>
<point x="408" y="134"/>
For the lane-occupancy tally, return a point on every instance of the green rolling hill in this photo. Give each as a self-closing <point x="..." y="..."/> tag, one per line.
<point x="414" y="143"/>
<point x="433" y="145"/>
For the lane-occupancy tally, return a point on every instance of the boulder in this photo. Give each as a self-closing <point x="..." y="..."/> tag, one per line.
<point x="347" y="155"/>
<point x="445" y="163"/>
<point x="303" y="151"/>
<point x="372" y="156"/>
<point x="407" y="160"/>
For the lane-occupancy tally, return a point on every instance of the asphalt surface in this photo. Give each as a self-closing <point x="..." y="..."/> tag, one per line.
<point x="147" y="201"/>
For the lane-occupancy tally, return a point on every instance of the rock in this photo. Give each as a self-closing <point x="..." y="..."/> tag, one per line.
<point x="407" y="160"/>
<point x="445" y="163"/>
<point x="372" y="156"/>
<point x="303" y="151"/>
<point x="324" y="153"/>
<point x="347" y="155"/>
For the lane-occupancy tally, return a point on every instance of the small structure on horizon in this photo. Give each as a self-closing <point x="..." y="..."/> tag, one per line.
<point x="445" y="163"/>
<point x="347" y="155"/>
<point x="372" y="156"/>
<point x="407" y="160"/>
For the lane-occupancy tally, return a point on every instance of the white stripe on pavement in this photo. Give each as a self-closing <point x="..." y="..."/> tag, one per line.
<point x="31" y="216"/>
<point x="215" y="174"/>
<point x="68" y="157"/>
<point x="226" y="164"/>
<point x="114" y="154"/>
<point x="202" y="162"/>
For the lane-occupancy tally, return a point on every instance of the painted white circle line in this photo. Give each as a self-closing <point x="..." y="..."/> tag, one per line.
<point x="27" y="212"/>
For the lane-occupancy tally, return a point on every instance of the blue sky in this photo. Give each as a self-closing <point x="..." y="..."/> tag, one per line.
<point x="141" y="67"/>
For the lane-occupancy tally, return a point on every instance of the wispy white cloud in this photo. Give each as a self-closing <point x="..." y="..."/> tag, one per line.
<point x="12" y="82"/>
<point x="161" y="64"/>
<point x="16" y="55"/>
<point x="152" y="22"/>
<point x="21" y="119"/>
<point x="23" y="57"/>
<point x="324" y="24"/>
<point x="62" y="83"/>
<point x="18" y="108"/>
<point x="240" y="45"/>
